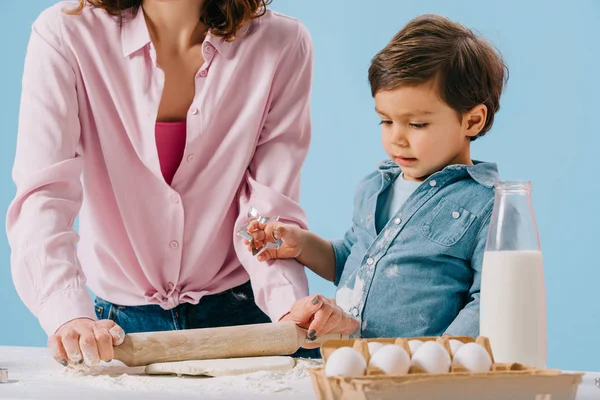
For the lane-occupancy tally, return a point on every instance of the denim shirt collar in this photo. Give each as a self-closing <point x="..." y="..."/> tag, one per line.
<point x="484" y="173"/>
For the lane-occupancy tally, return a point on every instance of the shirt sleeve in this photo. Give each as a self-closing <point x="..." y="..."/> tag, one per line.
<point x="466" y="322"/>
<point x="272" y="182"/>
<point x="47" y="173"/>
<point x="341" y="249"/>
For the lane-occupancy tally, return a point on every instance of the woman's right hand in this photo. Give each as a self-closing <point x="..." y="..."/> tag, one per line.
<point x="290" y="235"/>
<point x="85" y="340"/>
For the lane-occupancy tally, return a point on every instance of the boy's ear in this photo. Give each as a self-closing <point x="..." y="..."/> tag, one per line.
<point x="474" y="120"/>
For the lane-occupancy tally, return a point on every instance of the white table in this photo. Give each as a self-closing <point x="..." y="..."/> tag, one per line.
<point x="34" y="374"/>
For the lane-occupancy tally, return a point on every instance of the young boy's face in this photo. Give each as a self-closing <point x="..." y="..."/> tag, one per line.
<point x="421" y="133"/>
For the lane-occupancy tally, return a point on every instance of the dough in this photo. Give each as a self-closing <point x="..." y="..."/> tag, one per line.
<point x="223" y="367"/>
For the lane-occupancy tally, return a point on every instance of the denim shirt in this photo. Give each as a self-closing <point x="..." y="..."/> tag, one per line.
<point x="419" y="276"/>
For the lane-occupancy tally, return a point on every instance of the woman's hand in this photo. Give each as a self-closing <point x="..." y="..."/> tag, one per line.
<point x="320" y="316"/>
<point x="85" y="340"/>
<point x="290" y="235"/>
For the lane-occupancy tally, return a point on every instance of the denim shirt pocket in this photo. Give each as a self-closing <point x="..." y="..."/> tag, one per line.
<point x="447" y="223"/>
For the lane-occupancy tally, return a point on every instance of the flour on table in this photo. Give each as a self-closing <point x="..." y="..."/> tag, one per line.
<point x="117" y="376"/>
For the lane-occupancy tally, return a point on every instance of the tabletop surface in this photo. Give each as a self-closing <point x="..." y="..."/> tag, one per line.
<point x="33" y="374"/>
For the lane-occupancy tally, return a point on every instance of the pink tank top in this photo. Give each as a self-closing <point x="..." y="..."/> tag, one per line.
<point x="170" y="143"/>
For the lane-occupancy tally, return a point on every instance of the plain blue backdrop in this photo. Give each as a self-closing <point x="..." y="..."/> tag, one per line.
<point x="546" y="132"/>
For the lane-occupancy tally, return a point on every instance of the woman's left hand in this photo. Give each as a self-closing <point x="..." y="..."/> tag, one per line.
<point x="320" y="316"/>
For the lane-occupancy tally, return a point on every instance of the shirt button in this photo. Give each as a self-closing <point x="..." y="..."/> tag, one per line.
<point x="432" y="183"/>
<point x="174" y="244"/>
<point x="191" y="158"/>
<point x="208" y="48"/>
<point x="355" y="312"/>
<point x="203" y="73"/>
<point x="397" y="221"/>
<point x="194" y="111"/>
<point x="370" y="261"/>
<point x="455" y="214"/>
<point x="175" y="198"/>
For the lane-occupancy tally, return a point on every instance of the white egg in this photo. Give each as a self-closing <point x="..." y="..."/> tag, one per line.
<point x="345" y="361"/>
<point x="374" y="347"/>
<point x="473" y="357"/>
<point x="432" y="357"/>
<point x="414" y="345"/>
<point x="391" y="359"/>
<point x="455" y="345"/>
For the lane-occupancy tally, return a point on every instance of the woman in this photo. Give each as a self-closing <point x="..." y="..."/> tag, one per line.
<point x="159" y="123"/>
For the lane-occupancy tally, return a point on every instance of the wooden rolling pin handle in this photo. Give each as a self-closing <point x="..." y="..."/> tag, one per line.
<point x="303" y="337"/>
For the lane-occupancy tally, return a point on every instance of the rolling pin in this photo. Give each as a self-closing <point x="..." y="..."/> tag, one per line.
<point x="272" y="339"/>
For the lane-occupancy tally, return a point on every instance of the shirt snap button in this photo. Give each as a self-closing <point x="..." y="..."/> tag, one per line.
<point x="432" y="183"/>
<point x="370" y="261"/>
<point x="455" y="214"/>
<point x="397" y="221"/>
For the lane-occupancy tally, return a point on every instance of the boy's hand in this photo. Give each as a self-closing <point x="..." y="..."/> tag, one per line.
<point x="291" y="237"/>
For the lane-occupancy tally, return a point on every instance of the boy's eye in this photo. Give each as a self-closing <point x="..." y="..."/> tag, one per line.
<point x="418" y="126"/>
<point x="385" y="122"/>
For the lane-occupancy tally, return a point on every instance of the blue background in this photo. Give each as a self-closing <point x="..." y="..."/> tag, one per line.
<point x="546" y="131"/>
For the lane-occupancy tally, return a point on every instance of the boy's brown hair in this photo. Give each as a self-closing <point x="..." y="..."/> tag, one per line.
<point x="467" y="69"/>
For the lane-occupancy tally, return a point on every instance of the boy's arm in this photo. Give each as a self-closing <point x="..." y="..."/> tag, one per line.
<point x="326" y="258"/>
<point x="466" y="322"/>
<point x="317" y="255"/>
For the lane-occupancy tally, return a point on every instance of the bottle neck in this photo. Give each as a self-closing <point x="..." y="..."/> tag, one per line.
<point x="513" y="226"/>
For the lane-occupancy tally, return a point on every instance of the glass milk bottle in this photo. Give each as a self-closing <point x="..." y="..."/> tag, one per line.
<point x="513" y="293"/>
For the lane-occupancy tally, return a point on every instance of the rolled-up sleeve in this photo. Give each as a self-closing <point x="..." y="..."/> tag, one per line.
<point x="341" y="249"/>
<point x="272" y="182"/>
<point x="47" y="174"/>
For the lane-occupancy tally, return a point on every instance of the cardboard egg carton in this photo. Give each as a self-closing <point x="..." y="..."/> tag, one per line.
<point x="512" y="381"/>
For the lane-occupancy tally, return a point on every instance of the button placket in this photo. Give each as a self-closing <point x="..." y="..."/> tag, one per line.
<point x="175" y="235"/>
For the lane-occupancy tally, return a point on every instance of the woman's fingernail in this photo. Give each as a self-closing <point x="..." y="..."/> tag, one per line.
<point x="116" y="335"/>
<point x="109" y="361"/>
<point x="312" y="335"/>
<point x="315" y="300"/>
<point x="64" y="363"/>
<point x="80" y="361"/>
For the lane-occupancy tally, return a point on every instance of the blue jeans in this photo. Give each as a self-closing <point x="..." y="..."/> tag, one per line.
<point x="230" y="308"/>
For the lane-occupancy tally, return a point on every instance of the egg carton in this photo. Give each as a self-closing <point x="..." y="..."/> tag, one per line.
<point x="512" y="381"/>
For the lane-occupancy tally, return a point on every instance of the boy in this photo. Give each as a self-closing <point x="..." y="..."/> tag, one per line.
<point x="410" y="264"/>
